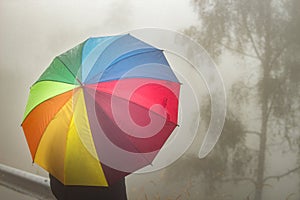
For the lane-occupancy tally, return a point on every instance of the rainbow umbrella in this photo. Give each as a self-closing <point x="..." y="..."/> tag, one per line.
<point x="101" y="110"/>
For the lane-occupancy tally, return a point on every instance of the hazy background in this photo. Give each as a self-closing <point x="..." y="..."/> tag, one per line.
<point x="32" y="33"/>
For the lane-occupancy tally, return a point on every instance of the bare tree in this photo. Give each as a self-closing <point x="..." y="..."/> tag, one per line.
<point x="267" y="31"/>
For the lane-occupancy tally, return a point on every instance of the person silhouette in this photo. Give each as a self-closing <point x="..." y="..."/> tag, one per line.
<point x="116" y="191"/>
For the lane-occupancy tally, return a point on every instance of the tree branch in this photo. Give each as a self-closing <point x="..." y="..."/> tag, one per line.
<point x="252" y="39"/>
<point x="252" y="132"/>
<point x="279" y="53"/>
<point x="272" y="100"/>
<point x="237" y="51"/>
<point x="282" y="175"/>
<point x="239" y="180"/>
<point x="270" y="106"/>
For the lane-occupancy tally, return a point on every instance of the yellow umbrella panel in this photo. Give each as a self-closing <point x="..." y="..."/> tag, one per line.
<point x="53" y="138"/>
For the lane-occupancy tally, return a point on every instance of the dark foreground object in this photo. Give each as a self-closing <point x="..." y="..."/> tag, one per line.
<point x="63" y="192"/>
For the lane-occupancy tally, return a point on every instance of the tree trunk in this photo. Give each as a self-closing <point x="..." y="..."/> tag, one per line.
<point x="262" y="152"/>
<point x="265" y="97"/>
<point x="264" y="100"/>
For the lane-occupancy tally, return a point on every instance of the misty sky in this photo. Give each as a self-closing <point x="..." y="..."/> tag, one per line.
<point x="33" y="32"/>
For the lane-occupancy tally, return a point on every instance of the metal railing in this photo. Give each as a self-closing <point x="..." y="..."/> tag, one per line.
<point x="25" y="183"/>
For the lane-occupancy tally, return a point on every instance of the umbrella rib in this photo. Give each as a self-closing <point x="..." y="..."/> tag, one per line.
<point x="135" y="104"/>
<point x="103" y="52"/>
<point x="45" y="101"/>
<point x="151" y="49"/>
<point x="70" y="71"/>
<point x="137" y="150"/>
<point x="52" y="81"/>
<point x="113" y="63"/>
<point x="48" y="125"/>
<point x="66" y="148"/>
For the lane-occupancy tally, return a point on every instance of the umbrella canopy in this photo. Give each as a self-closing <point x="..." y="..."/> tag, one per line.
<point x="101" y="110"/>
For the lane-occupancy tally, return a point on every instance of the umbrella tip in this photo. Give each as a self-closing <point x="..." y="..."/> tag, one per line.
<point x="81" y="84"/>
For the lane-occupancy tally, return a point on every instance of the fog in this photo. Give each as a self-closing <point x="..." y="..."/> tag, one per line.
<point x="33" y="32"/>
